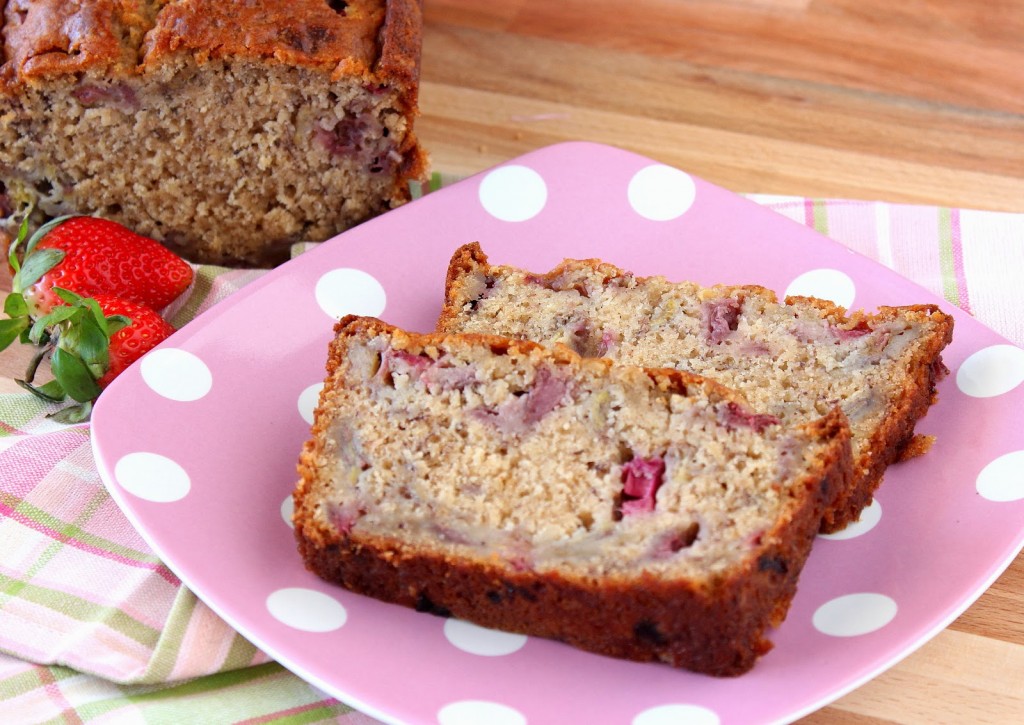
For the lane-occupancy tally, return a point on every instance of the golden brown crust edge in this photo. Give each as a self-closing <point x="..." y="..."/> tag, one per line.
<point x="653" y="620"/>
<point x="53" y="37"/>
<point x="464" y="261"/>
<point x="401" y="38"/>
<point x="48" y="38"/>
<point x="888" y="441"/>
<point x="717" y="628"/>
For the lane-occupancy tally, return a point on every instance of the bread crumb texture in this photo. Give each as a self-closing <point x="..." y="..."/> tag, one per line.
<point x="794" y="360"/>
<point x="517" y="465"/>
<point x="225" y="130"/>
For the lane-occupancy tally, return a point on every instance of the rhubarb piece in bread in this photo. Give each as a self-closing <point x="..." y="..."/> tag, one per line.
<point x="794" y="360"/>
<point x="225" y="129"/>
<point x="649" y="515"/>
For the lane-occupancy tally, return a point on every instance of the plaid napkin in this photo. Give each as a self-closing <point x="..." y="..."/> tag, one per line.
<point x="93" y="627"/>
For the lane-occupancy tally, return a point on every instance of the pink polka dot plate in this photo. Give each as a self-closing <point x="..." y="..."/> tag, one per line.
<point x="198" y="444"/>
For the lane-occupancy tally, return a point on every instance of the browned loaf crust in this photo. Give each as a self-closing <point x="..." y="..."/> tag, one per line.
<point x="489" y="480"/>
<point x="226" y="129"/>
<point x="793" y="360"/>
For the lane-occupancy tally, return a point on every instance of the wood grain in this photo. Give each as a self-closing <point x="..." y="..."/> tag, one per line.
<point x="917" y="102"/>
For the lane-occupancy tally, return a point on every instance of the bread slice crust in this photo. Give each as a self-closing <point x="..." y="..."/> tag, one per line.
<point x="897" y="390"/>
<point x="713" y="621"/>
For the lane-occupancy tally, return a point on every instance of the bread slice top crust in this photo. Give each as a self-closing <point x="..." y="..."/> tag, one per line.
<point x="794" y="360"/>
<point x="511" y="455"/>
<point x="378" y="40"/>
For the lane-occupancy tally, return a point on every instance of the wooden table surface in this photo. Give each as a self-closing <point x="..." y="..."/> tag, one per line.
<point x="910" y="101"/>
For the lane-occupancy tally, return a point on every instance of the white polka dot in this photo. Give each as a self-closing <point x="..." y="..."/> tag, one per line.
<point x="176" y="374"/>
<point x="676" y="715"/>
<point x="482" y="641"/>
<point x="869" y="518"/>
<point x="825" y="284"/>
<point x="854" y="614"/>
<point x="991" y="371"/>
<point x="513" y="193"/>
<point x="347" y="291"/>
<point x="307" y="610"/>
<point x="308" y="400"/>
<point x="661" y="193"/>
<point x="473" y="712"/>
<point x="152" y="477"/>
<point x="287" y="509"/>
<point x="1003" y="479"/>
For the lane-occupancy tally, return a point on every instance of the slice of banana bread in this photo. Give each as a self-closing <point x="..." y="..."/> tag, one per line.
<point x="644" y="514"/>
<point x="793" y="360"/>
<point x="225" y="129"/>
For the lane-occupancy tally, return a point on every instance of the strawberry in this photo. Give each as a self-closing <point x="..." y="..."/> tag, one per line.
<point x="146" y="331"/>
<point x="90" y="341"/>
<point x="88" y="256"/>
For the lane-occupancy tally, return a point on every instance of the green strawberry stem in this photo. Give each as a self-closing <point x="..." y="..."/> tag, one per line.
<point x="33" y="264"/>
<point x="73" y="413"/>
<point x="12" y="251"/>
<point x="44" y="230"/>
<point x="33" y="364"/>
<point x="74" y="375"/>
<point x="11" y="330"/>
<point x="36" y="266"/>
<point x="40" y="329"/>
<point x="51" y="392"/>
<point x="15" y="306"/>
<point x="76" y="337"/>
<point x="74" y="331"/>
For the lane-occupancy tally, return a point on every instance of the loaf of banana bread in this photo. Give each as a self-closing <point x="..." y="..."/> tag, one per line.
<point x="794" y="360"/>
<point x="225" y="129"/>
<point x="643" y="514"/>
